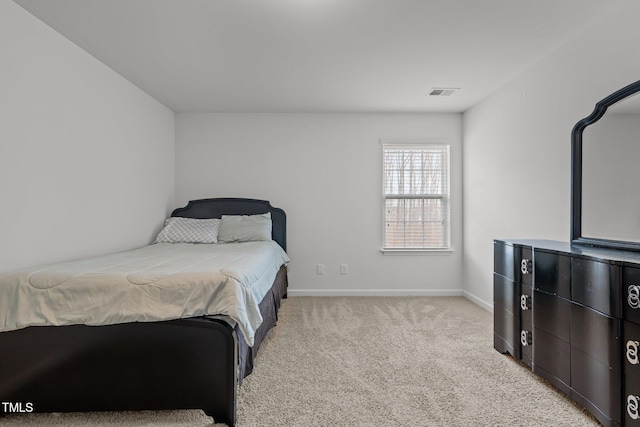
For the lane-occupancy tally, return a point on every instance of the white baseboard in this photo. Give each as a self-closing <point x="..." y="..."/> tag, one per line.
<point x="477" y="301"/>
<point x="390" y="293"/>
<point x="373" y="292"/>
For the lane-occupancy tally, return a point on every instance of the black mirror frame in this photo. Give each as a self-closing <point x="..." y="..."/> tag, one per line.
<point x="576" y="172"/>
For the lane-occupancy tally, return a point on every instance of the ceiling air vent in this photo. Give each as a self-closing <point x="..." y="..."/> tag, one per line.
<point x="443" y="91"/>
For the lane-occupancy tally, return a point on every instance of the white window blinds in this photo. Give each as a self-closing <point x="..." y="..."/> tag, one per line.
<point x="416" y="196"/>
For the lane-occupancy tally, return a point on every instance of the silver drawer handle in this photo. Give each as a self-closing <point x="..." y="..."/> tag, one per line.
<point x="632" y="352"/>
<point x="525" y="302"/>
<point x="632" y="407"/>
<point x="633" y="296"/>
<point x="525" y="266"/>
<point x="525" y="338"/>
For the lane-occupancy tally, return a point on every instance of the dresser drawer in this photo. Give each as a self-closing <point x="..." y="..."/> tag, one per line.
<point x="506" y="294"/>
<point x="506" y="316"/>
<point x="552" y="273"/>
<point x="596" y="285"/>
<point x="504" y="260"/>
<point x="552" y="315"/>
<point x="595" y="334"/>
<point x="552" y="359"/>
<point x="596" y="374"/>
<point x="597" y="386"/>
<point x="514" y="262"/>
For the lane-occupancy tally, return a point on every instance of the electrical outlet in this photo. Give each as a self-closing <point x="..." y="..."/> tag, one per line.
<point x="344" y="269"/>
<point x="320" y="269"/>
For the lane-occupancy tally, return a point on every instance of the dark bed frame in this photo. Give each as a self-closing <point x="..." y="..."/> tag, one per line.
<point x="192" y="363"/>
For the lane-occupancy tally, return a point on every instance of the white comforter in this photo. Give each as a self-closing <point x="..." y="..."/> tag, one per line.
<point x="158" y="282"/>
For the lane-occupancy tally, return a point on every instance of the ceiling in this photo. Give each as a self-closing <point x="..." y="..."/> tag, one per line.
<point x="319" y="55"/>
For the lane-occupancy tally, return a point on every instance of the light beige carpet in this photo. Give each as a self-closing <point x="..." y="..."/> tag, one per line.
<point x="373" y="361"/>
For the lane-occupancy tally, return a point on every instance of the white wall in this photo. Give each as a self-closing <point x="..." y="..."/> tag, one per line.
<point x="86" y="158"/>
<point x="517" y="142"/>
<point x="324" y="170"/>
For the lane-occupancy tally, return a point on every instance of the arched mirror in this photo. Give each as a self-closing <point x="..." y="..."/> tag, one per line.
<point x="605" y="188"/>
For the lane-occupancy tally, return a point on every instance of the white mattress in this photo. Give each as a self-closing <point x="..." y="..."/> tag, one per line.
<point x="158" y="282"/>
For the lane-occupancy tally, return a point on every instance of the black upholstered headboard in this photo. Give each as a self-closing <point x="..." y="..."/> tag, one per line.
<point x="215" y="208"/>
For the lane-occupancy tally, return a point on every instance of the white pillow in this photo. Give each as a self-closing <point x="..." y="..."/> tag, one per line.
<point x="245" y="228"/>
<point x="189" y="230"/>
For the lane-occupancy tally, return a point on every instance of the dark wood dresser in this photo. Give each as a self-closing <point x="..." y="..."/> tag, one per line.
<point x="572" y="314"/>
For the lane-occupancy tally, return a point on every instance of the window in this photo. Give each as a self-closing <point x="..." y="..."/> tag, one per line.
<point x="416" y="196"/>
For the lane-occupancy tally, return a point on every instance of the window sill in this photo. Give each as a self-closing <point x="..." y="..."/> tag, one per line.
<point x="416" y="251"/>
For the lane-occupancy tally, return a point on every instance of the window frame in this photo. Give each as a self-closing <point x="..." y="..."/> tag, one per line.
<point x="417" y="144"/>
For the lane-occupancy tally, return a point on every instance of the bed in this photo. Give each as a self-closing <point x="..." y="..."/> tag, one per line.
<point x="186" y="363"/>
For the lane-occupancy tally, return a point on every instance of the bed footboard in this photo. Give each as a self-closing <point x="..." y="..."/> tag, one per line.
<point x="178" y="364"/>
